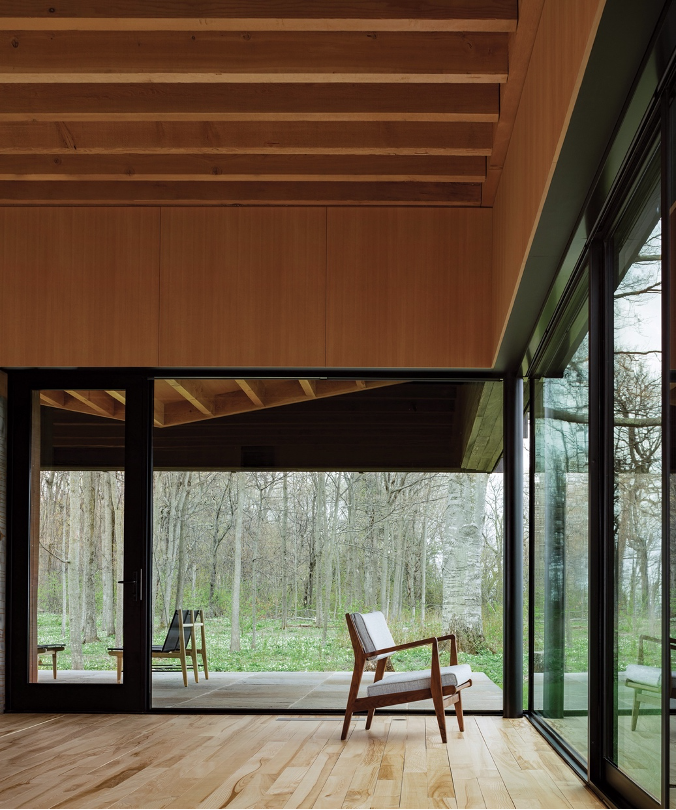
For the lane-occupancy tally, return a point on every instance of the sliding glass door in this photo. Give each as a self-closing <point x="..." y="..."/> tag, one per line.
<point x="78" y="567"/>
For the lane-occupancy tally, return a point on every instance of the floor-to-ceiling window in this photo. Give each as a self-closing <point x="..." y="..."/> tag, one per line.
<point x="560" y="479"/>
<point x="637" y="484"/>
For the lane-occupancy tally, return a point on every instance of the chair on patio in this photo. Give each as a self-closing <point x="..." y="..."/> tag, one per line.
<point x="647" y="681"/>
<point x="372" y="641"/>
<point x="180" y="642"/>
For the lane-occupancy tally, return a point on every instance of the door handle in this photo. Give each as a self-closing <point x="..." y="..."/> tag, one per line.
<point x="137" y="582"/>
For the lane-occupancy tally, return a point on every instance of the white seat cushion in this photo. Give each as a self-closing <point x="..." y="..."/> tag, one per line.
<point x="373" y="633"/>
<point x="649" y="676"/>
<point x="420" y="679"/>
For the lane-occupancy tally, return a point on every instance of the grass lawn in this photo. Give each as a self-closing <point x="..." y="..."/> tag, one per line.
<point x="298" y="649"/>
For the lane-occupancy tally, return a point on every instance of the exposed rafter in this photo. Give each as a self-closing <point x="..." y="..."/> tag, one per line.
<point x="193" y="392"/>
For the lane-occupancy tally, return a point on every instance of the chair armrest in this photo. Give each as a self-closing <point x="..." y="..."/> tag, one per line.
<point x="641" y="639"/>
<point x="422" y="643"/>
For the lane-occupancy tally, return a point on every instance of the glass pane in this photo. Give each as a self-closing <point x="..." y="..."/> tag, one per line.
<point x="276" y="542"/>
<point x="77" y="537"/>
<point x="637" y="483"/>
<point x="560" y="533"/>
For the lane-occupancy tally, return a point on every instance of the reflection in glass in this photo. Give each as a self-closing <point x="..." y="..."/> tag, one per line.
<point x="637" y="499"/>
<point x="77" y="554"/>
<point x="560" y="533"/>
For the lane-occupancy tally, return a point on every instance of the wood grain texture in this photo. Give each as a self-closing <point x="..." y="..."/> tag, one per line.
<point x="409" y="288"/>
<point x="215" y="102"/>
<point x="79" y="286"/>
<point x="280" y="193"/>
<point x="558" y="60"/>
<point x="439" y="168"/>
<point x="520" y="48"/>
<point x="258" y="761"/>
<point x="243" y="287"/>
<point x="237" y="56"/>
<point x="309" y="15"/>
<point x="248" y="137"/>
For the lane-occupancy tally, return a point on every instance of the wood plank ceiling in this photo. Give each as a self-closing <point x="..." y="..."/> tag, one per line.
<point x="259" y="101"/>
<point x="179" y="402"/>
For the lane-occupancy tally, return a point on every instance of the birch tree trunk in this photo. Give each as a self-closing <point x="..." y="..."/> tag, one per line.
<point x="74" y="571"/>
<point x="108" y="606"/>
<point x="462" y="544"/>
<point x="181" y="533"/>
<point x="88" y="557"/>
<point x="235" y="643"/>
<point x="285" y="524"/>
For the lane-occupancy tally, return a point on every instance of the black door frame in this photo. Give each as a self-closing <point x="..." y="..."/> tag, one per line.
<point x="132" y="695"/>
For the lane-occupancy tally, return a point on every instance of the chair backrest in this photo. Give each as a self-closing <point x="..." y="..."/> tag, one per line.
<point x="172" y="641"/>
<point x="373" y="633"/>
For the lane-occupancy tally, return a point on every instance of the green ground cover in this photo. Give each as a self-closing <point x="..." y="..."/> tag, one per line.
<point x="298" y="649"/>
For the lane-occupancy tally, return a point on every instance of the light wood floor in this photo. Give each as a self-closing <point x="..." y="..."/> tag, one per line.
<point x="268" y="761"/>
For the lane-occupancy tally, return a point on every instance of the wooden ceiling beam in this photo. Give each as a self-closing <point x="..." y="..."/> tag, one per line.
<point x="120" y="396"/>
<point x="193" y="391"/>
<point x="213" y="138"/>
<point x="313" y="101"/>
<point x="309" y="388"/>
<point x="269" y="168"/>
<point x="100" y="402"/>
<point x="236" y="57"/>
<point x="74" y="192"/>
<point x="263" y="15"/>
<point x="281" y="393"/>
<point x="255" y="391"/>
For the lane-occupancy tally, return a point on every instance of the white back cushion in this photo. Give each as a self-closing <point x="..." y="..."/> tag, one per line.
<point x="373" y="633"/>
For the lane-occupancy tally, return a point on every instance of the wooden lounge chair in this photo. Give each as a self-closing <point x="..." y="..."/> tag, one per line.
<point x="180" y="642"/>
<point x="647" y="681"/>
<point x="372" y="641"/>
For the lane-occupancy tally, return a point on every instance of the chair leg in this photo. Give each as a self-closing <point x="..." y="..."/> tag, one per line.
<point x="354" y="691"/>
<point x="440" y="711"/>
<point x="634" y="710"/>
<point x="204" y="647"/>
<point x="193" y="647"/>
<point x="380" y="671"/>
<point x="458" y="712"/>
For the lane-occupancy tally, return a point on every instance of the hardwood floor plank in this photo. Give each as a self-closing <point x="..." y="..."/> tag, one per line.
<point x="118" y="761"/>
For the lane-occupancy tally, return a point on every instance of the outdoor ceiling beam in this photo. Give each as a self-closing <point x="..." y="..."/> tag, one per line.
<point x="262" y="56"/>
<point x="17" y="192"/>
<point x="193" y="391"/>
<point x="120" y="396"/>
<point x="158" y="412"/>
<point x="55" y="399"/>
<point x="247" y="137"/>
<point x="311" y="101"/>
<point x="244" y="168"/>
<point x="264" y="15"/>
<point x="309" y="388"/>
<point x="255" y="391"/>
<point x="99" y="402"/>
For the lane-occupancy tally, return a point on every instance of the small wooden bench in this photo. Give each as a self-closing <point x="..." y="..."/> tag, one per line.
<point x="50" y="649"/>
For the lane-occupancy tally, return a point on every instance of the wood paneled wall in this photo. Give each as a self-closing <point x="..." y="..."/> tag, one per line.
<point x="243" y="287"/>
<point x="409" y="288"/>
<point x="268" y="287"/>
<point x="79" y="286"/>
<point x="562" y="45"/>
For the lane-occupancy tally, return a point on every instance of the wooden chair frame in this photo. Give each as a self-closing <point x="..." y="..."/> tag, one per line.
<point x="644" y="693"/>
<point x="183" y="652"/>
<point x="50" y="649"/>
<point x="440" y="695"/>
